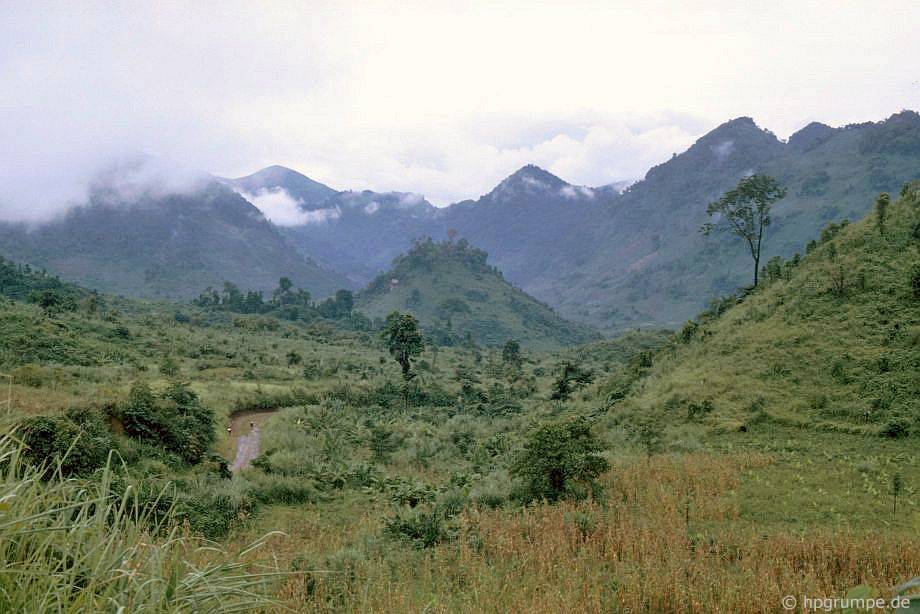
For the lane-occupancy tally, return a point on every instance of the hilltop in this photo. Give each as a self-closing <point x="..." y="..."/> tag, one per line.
<point x="455" y="294"/>
<point x="830" y="342"/>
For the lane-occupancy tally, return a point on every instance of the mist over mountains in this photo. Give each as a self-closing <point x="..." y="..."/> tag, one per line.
<point x="619" y="259"/>
<point x="611" y="257"/>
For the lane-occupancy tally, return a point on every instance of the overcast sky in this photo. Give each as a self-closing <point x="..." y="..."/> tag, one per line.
<point x="424" y="97"/>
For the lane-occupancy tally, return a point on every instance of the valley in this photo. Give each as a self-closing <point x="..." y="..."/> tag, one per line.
<point x="767" y="447"/>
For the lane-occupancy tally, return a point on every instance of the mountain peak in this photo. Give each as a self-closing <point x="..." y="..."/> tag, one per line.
<point x="740" y="127"/>
<point x="532" y="174"/>
<point x="811" y="136"/>
<point x="306" y="191"/>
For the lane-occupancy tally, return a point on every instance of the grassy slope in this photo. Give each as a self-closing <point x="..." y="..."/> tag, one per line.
<point x="797" y="354"/>
<point x="479" y="301"/>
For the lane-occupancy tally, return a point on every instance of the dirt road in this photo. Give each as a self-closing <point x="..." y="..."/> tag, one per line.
<point x="248" y="437"/>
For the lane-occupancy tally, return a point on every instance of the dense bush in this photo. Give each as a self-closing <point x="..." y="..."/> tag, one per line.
<point x="76" y="443"/>
<point x="175" y="419"/>
<point x="560" y="459"/>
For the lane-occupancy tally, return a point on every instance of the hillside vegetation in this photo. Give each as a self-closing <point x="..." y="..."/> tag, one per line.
<point x="457" y="295"/>
<point x="831" y="342"/>
<point x="621" y="260"/>
<point x="166" y="246"/>
<point x="768" y="448"/>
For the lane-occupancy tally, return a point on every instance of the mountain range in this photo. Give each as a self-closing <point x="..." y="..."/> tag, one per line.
<point x="613" y="257"/>
<point x="634" y="257"/>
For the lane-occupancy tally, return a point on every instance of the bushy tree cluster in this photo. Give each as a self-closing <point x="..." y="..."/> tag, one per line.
<point x="174" y="419"/>
<point x="560" y="459"/>
<point x="286" y="302"/>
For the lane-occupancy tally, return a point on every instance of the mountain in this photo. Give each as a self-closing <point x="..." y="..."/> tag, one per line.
<point x="518" y="221"/>
<point x="829" y="343"/>
<point x="170" y="245"/>
<point x="359" y="233"/>
<point x="620" y="257"/>
<point x="307" y="192"/>
<point x="649" y="264"/>
<point x="455" y="293"/>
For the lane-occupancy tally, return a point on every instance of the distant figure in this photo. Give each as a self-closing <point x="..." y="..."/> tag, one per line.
<point x="229" y="430"/>
<point x="252" y="424"/>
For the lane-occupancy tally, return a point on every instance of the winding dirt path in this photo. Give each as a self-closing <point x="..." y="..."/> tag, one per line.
<point x="247" y="434"/>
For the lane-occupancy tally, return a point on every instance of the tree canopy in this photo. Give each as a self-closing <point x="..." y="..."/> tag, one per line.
<point x="745" y="211"/>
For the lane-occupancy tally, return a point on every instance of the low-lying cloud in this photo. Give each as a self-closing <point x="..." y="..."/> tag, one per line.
<point x="40" y="193"/>
<point x="282" y="209"/>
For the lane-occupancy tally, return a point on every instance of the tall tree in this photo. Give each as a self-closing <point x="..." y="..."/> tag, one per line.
<point x="881" y="211"/>
<point x="745" y="211"/>
<point x="404" y="341"/>
<point x="283" y="292"/>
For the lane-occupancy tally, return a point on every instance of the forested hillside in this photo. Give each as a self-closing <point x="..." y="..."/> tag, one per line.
<point x="458" y="297"/>
<point x="165" y="246"/>
<point x="617" y="261"/>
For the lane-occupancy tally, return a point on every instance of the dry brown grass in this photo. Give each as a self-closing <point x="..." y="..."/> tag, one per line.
<point x="668" y="540"/>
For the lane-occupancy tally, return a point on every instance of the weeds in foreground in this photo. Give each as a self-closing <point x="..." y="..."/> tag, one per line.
<point x="75" y="545"/>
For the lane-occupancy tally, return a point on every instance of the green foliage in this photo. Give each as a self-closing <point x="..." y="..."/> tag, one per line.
<point x="511" y="353"/>
<point x="466" y="300"/>
<point x="745" y="211"/>
<point x="383" y="442"/>
<point x="169" y="367"/>
<point x="403" y="340"/>
<point x="52" y="301"/>
<point x="881" y="211"/>
<point x="422" y="528"/>
<point x="77" y="443"/>
<point x="175" y="419"/>
<point x="23" y="283"/>
<point x="74" y="545"/>
<point x="828" y="346"/>
<point x="915" y="281"/>
<point x="560" y="459"/>
<point x="571" y="378"/>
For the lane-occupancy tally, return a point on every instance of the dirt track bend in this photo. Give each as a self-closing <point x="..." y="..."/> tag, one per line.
<point x="248" y="438"/>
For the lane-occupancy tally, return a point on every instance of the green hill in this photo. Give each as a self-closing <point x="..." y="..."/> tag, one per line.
<point x="455" y="294"/>
<point x="166" y="246"/>
<point x="829" y="343"/>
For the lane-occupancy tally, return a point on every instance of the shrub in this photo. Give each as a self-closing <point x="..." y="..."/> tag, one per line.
<point x="915" y="281"/>
<point x="559" y="460"/>
<point x="174" y="419"/>
<point x="89" y="546"/>
<point x="424" y="529"/>
<point x="274" y="488"/>
<point x="169" y="367"/>
<point x="212" y="508"/>
<point x="75" y="444"/>
<point x="896" y="428"/>
<point x="571" y="378"/>
<point x="30" y="374"/>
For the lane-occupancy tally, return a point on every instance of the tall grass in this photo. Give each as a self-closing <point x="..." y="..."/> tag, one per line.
<point x="668" y="539"/>
<point x="75" y="545"/>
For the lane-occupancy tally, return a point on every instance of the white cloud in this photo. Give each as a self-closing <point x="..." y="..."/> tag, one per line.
<point x="372" y="207"/>
<point x="723" y="149"/>
<point x="284" y="210"/>
<point x="340" y="91"/>
<point x="573" y="192"/>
